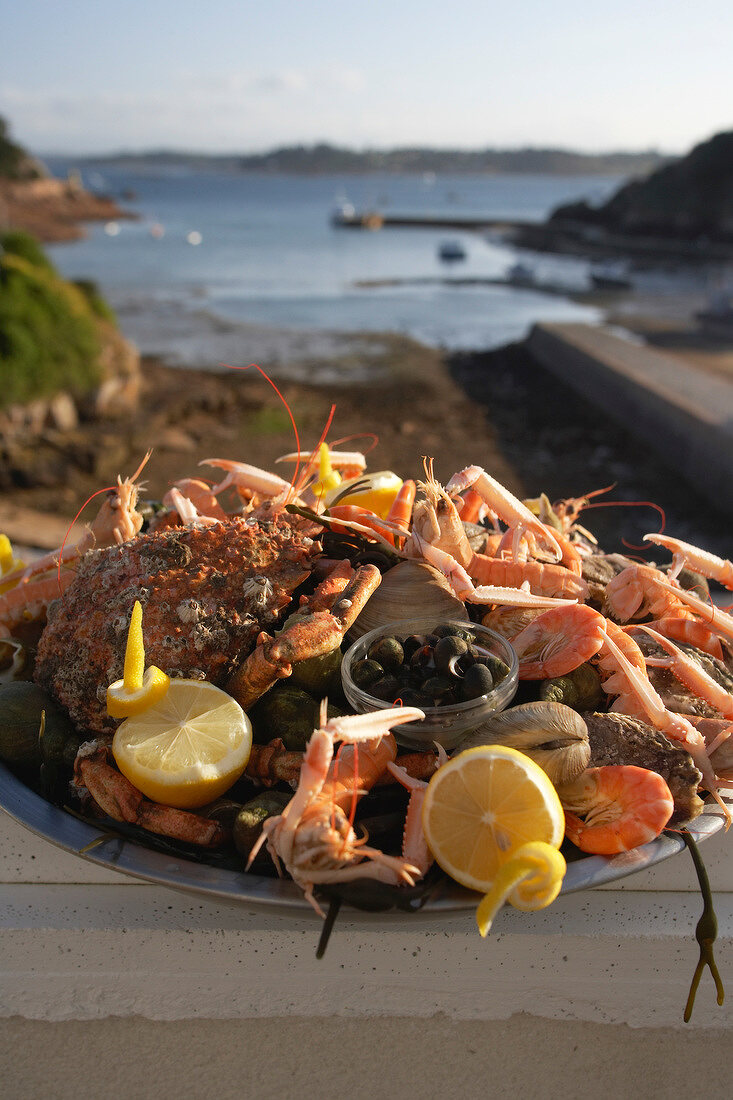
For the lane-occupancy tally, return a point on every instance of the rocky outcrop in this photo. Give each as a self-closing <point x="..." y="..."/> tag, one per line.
<point x="53" y="210"/>
<point x="690" y="199"/>
<point x="117" y="395"/>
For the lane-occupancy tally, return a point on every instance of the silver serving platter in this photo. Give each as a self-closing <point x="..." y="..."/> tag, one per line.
<point x="239" y="888"/>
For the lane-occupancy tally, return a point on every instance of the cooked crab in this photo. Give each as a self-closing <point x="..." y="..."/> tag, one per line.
<point x="207" y="593"/>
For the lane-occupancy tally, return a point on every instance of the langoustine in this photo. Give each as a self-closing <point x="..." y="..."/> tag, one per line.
<point x="314" y="838"/>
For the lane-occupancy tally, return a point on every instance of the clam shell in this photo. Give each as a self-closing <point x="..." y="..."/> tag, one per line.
<point x="551" y="734"/>
<point x="409" y="590"/>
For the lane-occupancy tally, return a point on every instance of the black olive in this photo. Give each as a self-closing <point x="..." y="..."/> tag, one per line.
<point x="437" y="686"/>
<point x="476" y="682"/>
<point x="423" y="660"/>
<point x="412" y="643"/>
<point x="387" y="689"/>
<point x="365" y="673"/>
<point x="388" y="652"/>
<point x="447" y="649"/>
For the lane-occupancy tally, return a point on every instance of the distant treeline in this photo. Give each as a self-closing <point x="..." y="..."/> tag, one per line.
<point x="325" y="159"/>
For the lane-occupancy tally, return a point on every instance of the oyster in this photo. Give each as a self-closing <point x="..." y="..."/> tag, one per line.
<point x="551" y="734"/>
<point x="621" y="739"/>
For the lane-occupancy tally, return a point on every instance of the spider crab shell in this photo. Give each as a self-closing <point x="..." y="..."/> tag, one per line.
<point x="206" y="593"/>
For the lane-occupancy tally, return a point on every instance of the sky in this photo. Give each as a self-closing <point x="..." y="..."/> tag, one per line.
<point x="91" y="76"/>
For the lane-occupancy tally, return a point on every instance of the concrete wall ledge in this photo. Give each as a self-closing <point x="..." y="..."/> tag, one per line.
<point x="683" y="413"/>
<point x="79" y="942"/>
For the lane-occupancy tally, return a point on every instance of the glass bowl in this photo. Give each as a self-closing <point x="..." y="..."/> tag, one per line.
<point x="447" y="725"/>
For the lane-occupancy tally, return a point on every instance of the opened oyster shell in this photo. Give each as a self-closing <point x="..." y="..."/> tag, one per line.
<point x="551" y="734"/>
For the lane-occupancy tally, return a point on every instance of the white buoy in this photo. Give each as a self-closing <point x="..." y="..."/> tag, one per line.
<point x="194" y="237"/>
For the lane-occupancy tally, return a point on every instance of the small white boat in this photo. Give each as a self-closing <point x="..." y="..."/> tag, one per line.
<point x="520" y="274"/>
<point x="450" y="251"/>
<point x="613" y="275"/>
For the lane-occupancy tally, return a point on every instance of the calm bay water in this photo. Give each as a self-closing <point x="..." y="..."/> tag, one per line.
<point x="268" y="256"/>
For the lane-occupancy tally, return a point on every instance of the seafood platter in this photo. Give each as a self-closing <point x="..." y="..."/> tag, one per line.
<point x="346" y="687"/>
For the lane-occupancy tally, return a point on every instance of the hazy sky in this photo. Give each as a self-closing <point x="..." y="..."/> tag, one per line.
<point x="219" y="75"/>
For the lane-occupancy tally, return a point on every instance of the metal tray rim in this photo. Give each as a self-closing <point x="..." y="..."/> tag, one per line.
<point x="224" y="886"/>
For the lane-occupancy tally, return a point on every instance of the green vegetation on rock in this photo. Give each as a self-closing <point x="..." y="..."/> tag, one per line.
<point x="49" y="328"/>
<point x="15" y="162"/>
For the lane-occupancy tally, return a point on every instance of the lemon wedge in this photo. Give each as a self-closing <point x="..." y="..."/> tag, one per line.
<point x="187" y="749"/>
<point x="378" y="492"/>
<point x="484" y="808"/>
<point x="139" y="688"/>
<point x="8" y="562"/>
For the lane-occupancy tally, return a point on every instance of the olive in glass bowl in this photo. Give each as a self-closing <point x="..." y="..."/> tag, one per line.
<point x="458" y="673"/>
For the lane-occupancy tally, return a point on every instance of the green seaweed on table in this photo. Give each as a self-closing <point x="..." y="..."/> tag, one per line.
<point x="376" y="897"/>
<point x="706" y="930"/>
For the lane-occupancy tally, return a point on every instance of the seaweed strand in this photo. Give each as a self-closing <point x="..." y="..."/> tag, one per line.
<point x="706" y="930"/>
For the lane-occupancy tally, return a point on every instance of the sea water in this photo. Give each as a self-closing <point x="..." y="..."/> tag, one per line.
<point x="224" y="250"/>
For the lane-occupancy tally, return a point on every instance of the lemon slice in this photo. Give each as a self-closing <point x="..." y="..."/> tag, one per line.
<point x="140" y="688"/>
<point x="187" y="749"/>
<point x="378" y="495"/>
<point x="122" y="702"/>
<point x="482" y="806"/>
<point x="530" y="879"/>
<point x="8" y="562"/>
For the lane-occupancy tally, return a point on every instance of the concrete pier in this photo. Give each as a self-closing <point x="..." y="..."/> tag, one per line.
<point x="683" y="412"/>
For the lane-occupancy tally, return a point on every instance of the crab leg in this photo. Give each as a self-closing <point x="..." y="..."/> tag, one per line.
<point x="117" y="797"/>
<point x="310" y="635"/>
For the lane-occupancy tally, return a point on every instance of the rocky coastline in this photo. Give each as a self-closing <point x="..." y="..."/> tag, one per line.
<point x="53" y="210"/>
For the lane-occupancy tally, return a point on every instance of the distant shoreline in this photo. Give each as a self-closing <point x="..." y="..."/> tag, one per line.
<point x="319" y="160"/>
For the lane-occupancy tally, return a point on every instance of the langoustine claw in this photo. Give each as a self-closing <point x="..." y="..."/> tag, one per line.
<point x="701" y="561"/>
<point x="509" y="509"/>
